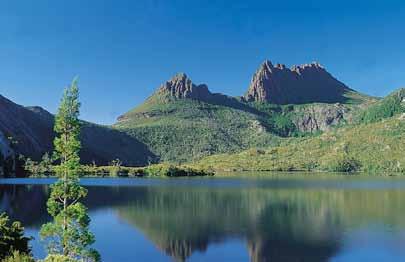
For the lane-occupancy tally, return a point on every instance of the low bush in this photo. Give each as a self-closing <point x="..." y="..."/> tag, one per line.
<point x="345" y="164"/>
<point x="17" y="256"/>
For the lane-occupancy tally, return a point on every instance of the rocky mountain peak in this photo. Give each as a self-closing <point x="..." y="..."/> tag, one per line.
<point x="267" y="64"/>
<point x="301" y="84"/>
<point x="299" y="69"/>
<point x="181" y="86"/>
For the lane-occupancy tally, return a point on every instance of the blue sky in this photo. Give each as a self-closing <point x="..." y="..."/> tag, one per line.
<point x="123" y="50"/>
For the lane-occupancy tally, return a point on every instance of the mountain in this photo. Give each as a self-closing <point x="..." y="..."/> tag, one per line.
<point x="309" y="83"/>
<point x="7" y="156"/>
<point x="31" y="131"/>
<point x="183" y="121"/>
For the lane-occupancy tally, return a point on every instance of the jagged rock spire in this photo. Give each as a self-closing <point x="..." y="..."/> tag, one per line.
<point x="300" y="84"/>
<point x="181" y="86"/>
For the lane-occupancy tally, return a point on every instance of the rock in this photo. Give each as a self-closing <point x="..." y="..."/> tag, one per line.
<point x="320" y="117"/>
<point x="257" y="126"/>
<point x="301" y="84"/>
<point x="180" y="86"/>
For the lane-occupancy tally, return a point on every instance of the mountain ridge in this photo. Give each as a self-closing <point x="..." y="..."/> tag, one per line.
<point x="182" y="121"/>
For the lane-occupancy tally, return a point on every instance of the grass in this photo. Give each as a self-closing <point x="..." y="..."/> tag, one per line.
<point x="372" y="147"/>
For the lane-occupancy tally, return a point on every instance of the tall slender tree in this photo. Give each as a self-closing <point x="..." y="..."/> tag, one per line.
<point x="68" y="234"/>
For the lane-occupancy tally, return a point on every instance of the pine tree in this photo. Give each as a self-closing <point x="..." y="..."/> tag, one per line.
<point x="68" y="234"/>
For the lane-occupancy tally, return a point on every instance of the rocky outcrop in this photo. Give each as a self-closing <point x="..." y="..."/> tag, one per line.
<point x="301" y="84"/>
<point x="320" y="117"/>
<point x="180" y="86"/>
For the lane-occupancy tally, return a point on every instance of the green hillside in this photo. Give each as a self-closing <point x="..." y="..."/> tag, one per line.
<point x="185" y="129"/>
<point x="391" y="105"/>
<point x="372" y="147"/>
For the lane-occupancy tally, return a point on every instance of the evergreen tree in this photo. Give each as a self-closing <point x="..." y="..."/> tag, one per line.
<point x="68" y="234"/>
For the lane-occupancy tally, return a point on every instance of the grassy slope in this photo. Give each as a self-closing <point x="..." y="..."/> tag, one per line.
<point x="391" y="105"/>
<point x="181" y="130"/>
<point x="376" y="146"/>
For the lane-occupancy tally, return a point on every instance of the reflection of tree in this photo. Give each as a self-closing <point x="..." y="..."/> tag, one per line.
<point x="278" y="224"/>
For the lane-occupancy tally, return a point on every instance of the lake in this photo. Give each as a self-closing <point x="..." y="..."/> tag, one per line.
<point x="242" y="218"/>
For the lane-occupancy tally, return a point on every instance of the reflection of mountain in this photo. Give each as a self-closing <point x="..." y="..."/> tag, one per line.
<point x="24" y="203"/>
<point x="277" y="224"/>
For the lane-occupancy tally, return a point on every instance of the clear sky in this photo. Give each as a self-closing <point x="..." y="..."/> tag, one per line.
<point x="123" y="50"/>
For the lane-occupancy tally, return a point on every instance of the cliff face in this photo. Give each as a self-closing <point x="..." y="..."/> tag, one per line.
<point x="301" y="84"/>
<point x="321" y="117"/>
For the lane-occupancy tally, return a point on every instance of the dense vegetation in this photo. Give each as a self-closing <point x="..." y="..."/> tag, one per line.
<point x="46" y="168"/>
<point x="389" y="106"/>
<point x="157" y="170"/>
<point x="13" y="243"/>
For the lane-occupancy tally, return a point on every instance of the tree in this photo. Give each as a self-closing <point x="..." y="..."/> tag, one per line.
<point x="31" y="166"/>
<point x="46" y="164"/>
<point x="12" y="238"/>
<point x="68" y="234"/>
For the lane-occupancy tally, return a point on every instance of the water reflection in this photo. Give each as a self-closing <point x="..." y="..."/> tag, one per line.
<point x="277" y="224"/>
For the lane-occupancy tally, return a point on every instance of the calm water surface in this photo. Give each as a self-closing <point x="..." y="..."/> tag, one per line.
<point x="255" y="218"/>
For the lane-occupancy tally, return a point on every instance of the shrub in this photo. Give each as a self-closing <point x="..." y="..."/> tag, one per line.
<point x="59" y="258"/>
<point x="256" y="152"/>
<point x="345" y="164"/>
<point x="310" y="166"/>
<point x="17" y="256"/>
<point x="12" y="238"/>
